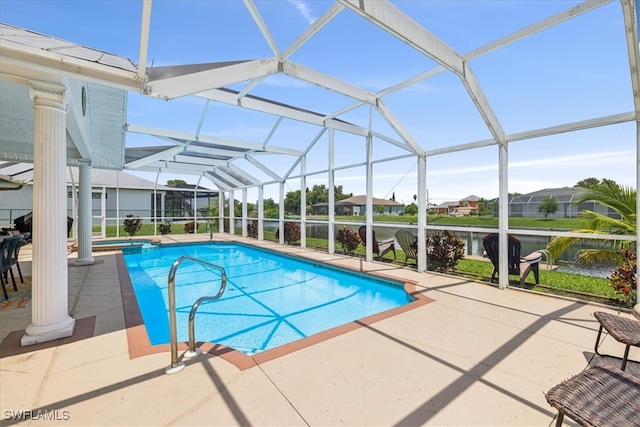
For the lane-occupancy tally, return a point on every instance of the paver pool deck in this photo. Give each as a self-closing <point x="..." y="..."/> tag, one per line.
<point x="474" y="356"/>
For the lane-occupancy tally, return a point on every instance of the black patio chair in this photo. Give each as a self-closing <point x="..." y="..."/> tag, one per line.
<point x="519" y="266"/>
<point x="7" y="248"/>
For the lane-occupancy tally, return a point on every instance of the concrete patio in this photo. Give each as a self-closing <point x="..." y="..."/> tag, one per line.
<point x="474" y="356"/>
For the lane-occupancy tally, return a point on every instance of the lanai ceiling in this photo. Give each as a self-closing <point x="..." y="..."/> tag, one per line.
<point x="101" y="132"/>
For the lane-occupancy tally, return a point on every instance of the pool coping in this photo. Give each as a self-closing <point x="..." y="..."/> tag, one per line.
<point x="139" y="344"/>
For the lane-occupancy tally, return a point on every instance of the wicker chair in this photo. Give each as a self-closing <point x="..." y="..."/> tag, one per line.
<point x="409" y="244"/>
<point x="520" y="266"/>
<point x="379" y="248"/>
<point x="598" y="396"/>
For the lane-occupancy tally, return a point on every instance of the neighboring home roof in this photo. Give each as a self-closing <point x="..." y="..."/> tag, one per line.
<point x="471" y="198"/>
<point x="562" y="194"/>
<point x="340" y="203"/>
<point x="362" y="200"/>
<point x="447" y="204"/>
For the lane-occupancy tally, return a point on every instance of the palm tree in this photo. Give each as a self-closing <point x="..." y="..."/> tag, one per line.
<point x="619" y="198"/>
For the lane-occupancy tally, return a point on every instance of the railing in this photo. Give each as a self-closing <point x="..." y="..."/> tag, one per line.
<point x="176" y="365"/>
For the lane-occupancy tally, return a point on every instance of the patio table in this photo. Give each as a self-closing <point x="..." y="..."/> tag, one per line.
<point x="626" y="331"/>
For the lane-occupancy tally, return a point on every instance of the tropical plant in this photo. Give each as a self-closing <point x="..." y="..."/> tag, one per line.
<point x="291" y="232"/>
<point x="191" y="226"/>
<point x="623" y="280"/>
<point x="349" y="240"/>
<point x="132" y="224"/>
<point x="444" y="250"/>
<point x="252" y="229"/>
<point x="619" y="199"/>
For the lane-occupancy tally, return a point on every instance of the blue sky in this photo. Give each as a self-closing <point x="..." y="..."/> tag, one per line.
<point x="574" y="71"/>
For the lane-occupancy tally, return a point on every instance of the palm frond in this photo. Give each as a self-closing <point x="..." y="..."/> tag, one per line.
<point x="599" y="256"/>
<point x="598" y="221"/>
<point x="620" y="198"/>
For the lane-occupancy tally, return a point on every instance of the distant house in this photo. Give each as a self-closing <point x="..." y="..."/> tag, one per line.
<point x="464" y="207"/>
<point x="526" y="205"/>
<point x="111" y="190"/>
<point x="356" y="205"/>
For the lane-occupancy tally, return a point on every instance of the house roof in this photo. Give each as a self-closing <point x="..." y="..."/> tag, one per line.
<point x="362" y="200"/>
<point x="562" y="194"/>
<point x="447" y="204"/>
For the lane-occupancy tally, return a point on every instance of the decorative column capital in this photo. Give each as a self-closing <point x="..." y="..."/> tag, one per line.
<point x="48" y="94"/>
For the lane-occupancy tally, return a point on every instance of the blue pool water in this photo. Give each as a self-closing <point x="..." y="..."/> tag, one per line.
<point x="270" y="300"/>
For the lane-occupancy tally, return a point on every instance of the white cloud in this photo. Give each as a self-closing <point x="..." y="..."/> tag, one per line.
<point x="304" y="10"/>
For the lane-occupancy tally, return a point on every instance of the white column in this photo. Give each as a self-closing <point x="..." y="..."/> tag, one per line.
<point x="244" y="212"/>
<point x="281" y="213"/>
<point x="220" y="211"/>
<point x="117" y="205"/>
<point x="503" y="216"/>
<point x="103" y="212"/>
<point x="261" y="212"/>
<point x="423" y="205"/>
<point x="50" y="288"/>
<point x="332" y="195"/>
<point x="232" y="213"/>
<point x="369" y="198"/>
<point x="84" y="216"/>
<point x="303" y="201"/>
<point x="163" y="195"/>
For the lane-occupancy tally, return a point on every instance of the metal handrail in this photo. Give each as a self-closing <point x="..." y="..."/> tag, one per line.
<point x="177" y="366"/>
<point x="194" y="308"/>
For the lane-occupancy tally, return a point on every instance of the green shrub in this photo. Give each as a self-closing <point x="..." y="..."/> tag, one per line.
<point x="349" y="240"/>
<point x="443" y="251"/>
<point x="132" y="224"/>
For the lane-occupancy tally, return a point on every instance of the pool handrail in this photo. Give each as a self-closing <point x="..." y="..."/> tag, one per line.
<point x="176" y="365"/>
<point x="194" y="308"/>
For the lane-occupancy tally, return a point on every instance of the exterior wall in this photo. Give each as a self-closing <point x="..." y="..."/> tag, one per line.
<point x="565" y="210"/>
<point x="14" y="204"/>
<point x="388" y="210"/>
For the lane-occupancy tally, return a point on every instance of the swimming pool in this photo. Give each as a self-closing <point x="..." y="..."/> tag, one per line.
<point x="270" y="299"/>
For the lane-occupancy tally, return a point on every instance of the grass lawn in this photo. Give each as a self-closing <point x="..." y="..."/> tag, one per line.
<point x="470" y="221"/>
